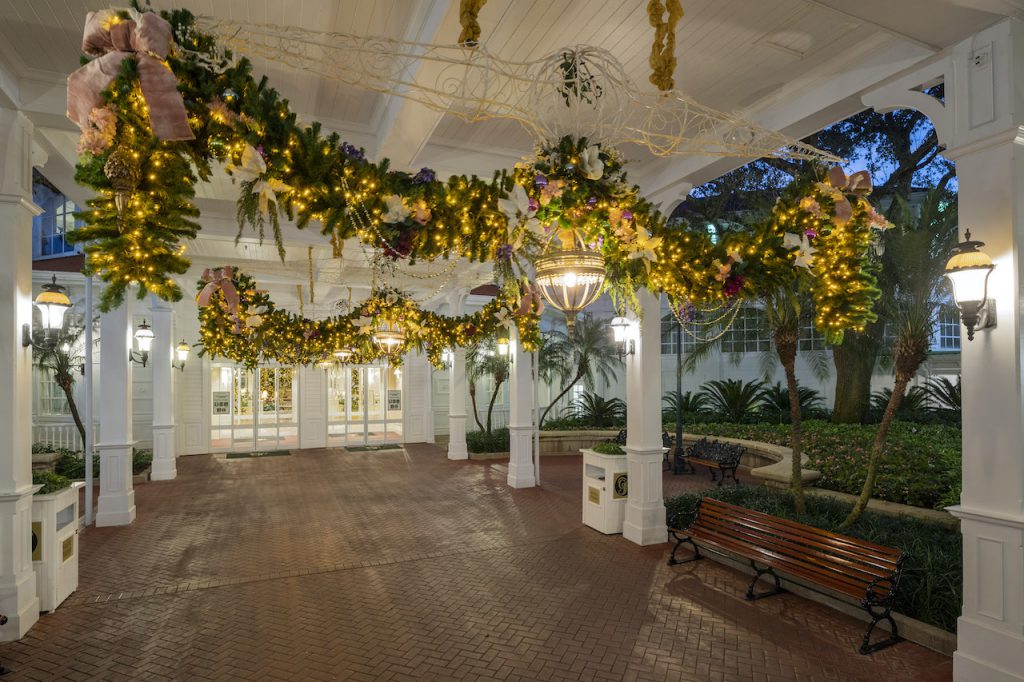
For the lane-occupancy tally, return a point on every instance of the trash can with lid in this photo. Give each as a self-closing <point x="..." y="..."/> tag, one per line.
<point x="605" y="490"/>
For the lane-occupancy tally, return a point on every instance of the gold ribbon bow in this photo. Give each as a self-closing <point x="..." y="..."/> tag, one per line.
<point x="111" y="40"/>
<point x="530" y="300"/>
<point x="219" y="278"/>
<point x="858" y="183"/>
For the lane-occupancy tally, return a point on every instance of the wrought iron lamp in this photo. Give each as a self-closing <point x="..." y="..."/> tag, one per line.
<point x="968" y="271"/>
<point x="447" y="358"/>
<point x="181" y="353"/>
<point x="144" y="338"/>
<point x="52" y="303"/>
<point x="622" y="330"/>
<point x="503" y="346"/>
<point x="570" y="279"/>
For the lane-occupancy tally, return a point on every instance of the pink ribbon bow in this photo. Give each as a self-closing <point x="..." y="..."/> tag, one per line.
<point x="858" y="183"/>
<point x="219" y="278"/>
<point x="530" y="300"/>
<point x="111" y="40"/>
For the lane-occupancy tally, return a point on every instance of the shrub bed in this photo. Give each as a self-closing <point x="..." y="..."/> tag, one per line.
<point x="481" y="441"/>
<point x="920" y="465"/>
<point x="931" y="586"/>
<point x="51" y="482"/>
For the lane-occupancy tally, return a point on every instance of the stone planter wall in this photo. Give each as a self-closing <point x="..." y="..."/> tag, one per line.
<point x="560" y="443"/>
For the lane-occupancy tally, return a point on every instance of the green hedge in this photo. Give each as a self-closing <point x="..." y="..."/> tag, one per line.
<point x="920" y="466"/>
<point x="931" y="586"/>
<point x="51" y="482"/>
<point x="481" y="441"/>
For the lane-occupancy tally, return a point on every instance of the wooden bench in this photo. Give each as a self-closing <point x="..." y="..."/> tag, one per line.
<point x="838" y="564"/>
<point x="714" y="455"/>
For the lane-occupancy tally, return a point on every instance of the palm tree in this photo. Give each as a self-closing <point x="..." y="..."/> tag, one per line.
<point x="732" y="399"/>
<point x="944" y="394"/>
<point x="482" y="360"/>
<point x="595" y="410"/>
<point x="919" y="248"/>
<point x="64" y="360"/>
<point x="586" y="353"/>
<point x="775" y="400"/>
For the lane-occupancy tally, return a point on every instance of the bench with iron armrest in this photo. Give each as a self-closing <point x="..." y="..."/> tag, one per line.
<point x="863" y="571"/>
<point x="3" y="621"/>
<point x="619" y="439"/>
<point x="714" y="455"/>
<point x="668" y="442"/>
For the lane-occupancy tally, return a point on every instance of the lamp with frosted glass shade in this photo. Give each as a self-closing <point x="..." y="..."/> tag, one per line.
<point x="968" y="271"/>
<point x="53" y="303"/>
<point x="181" y="353"/>
<point x="621" y="333"/>
<point x="144" y="339"/>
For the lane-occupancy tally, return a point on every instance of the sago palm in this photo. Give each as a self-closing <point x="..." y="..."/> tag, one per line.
<point x="596" y="410"/>
<point x="732" y="399"/>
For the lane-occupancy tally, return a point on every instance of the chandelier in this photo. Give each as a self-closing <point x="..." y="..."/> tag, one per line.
<point x="344" y="353"/>
<point x="570" y="279"/>
<point x="389" y="337"/>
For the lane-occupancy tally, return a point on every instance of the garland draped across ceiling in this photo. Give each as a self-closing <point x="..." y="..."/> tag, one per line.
<point x="159" y="102"/>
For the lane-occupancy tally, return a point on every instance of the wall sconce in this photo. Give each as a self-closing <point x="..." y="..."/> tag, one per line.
<point x="622" y="333"/>
<point x="181" y="352"/>
<point x="503" y="346"/>
<point x="144" y="337"/>
<point x="447" y="358"/>
<point x="968" y="272"/>
<point x="52" y="303"/>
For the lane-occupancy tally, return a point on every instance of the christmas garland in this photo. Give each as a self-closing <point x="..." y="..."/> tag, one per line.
<point x="239" y="322"/>
<point x="572" y="189"/>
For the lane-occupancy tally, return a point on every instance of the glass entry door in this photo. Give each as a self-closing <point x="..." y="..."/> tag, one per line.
<point x="364" y="405"/>
<point x="253" y="409"/>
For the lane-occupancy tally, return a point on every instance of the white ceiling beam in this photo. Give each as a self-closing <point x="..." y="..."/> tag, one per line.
<point x="407" y="126"/>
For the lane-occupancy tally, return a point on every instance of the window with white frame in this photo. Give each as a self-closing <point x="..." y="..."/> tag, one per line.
<point x="811" y="338"/>
<point x="58" y="219"/>
<point x="947" y="330"/>
<point x="669" y="333"/>
<point x="747" y="334"/>
<point x="52" y="401"/>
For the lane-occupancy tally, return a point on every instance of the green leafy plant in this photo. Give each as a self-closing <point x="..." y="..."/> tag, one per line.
<point x="733" y="399"/>
<point x="51" y="482"/>
<point x="944" y="395"/>
<point x="920" y="467"/>
<point x="609" y="449"/>
<point x="931" y="585"/>
<point x="775" y="401"/>
<point x="71" y="463"/>
<point x="482" y="441"/>
<point x="596" y="411"/>
<point x="692" y="405"/>
<point x="587" y="353"/>
<point x="142" y="459"/>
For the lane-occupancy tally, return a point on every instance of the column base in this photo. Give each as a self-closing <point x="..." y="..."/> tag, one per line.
<point x="18" y="596"/>
<point x="520" y="457"/>
<point x="984" y="653"/>
<point x="457" y="437"/>
<point x="116" y="504"/>
<point x="644" y="522"/>
<point x="164" y="464"/>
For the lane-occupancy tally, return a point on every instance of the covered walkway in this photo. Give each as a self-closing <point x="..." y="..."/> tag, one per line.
<point x="408" y="566"/>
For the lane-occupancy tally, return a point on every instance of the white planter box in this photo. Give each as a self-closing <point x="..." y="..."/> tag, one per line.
<point x="605" y="491"/>
<point x="55" y="545"/>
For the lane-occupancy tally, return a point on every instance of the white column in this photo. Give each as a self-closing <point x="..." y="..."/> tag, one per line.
<point x="645" y="509"/>
<point x="520" y="417"/>
<point x="417" y="410"/>
<point x="117" y="499"/>
<point x="18" y="599"/>
<point x="457" y="407"/>
<point x="164" y="465"/>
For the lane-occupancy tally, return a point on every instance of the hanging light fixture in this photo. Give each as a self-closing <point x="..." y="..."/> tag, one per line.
<point x="52" y="303"/>
<point x="571" y="278"/>
<point x="389" y="337"/>
<point x="968" y="271"/>
<point x="344" y="353"/>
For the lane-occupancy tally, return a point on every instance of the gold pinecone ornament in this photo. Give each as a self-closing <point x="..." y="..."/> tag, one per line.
<point x="124" y="172"/>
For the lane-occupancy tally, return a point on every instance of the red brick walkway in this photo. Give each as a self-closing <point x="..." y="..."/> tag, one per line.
<point x="392" y="566"/>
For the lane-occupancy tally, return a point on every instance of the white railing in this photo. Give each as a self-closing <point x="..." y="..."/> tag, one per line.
<point x="499" y="419"/>
<point x="61" y="435"/>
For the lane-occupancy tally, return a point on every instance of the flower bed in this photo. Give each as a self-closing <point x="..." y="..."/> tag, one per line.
<point x="920" y="466"/>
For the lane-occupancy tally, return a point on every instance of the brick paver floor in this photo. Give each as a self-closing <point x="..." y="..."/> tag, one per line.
<point x="404" y="566"/>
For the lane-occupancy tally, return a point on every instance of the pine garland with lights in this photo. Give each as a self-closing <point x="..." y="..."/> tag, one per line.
<point x="571" y="189"/>
<point x="255" y="331"/>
